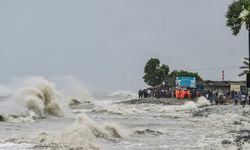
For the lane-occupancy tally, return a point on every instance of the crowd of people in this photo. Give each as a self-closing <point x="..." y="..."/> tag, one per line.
<point x="169" y="93"/>
<point x="145" y="93"/>
<point x="191" y="93"/>
<point x="240" y="98"/>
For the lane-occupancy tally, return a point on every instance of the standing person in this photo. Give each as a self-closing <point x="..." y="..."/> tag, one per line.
<point x="149" y="93"/>
<point x="140" y="94"/>
<point x="239" y="98"/>
<point x="189" y="94"/>
<point x="235" y="97"/>
<point x="207" y="94"/>
<point x="248" y="99"/>
<point x="211" y="96"/>
<point x="177" y="93"/>
<point x="231" y="95"/>
<point x="243" y="99"/>
<point x="181" y="94"/>
<point x="164" y="84"/>
<point x="216" y="98"/>
<point x="145" y="93"/>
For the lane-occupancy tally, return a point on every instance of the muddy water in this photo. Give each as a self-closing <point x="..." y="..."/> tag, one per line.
<point x="118" y="126"/>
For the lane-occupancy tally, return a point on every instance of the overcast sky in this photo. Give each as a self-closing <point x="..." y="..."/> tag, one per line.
<point x="106" y="43"/>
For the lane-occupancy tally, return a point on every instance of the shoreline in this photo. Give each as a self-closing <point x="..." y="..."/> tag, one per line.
<point x="163" y="101"/>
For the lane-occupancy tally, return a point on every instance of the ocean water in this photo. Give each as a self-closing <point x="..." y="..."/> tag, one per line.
<point x="39" y="115"/>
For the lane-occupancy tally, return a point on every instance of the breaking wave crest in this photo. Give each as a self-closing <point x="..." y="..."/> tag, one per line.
<point x="99" y="130"/>
<point x="41" y="98"/>
<point x="37" y="98"/>
<point x="84" y="132"/>
<point x="202" y="101"/>
<point x="193" y="106"/>
<point x="81" y="135"/>
<point x="142" y="108"/>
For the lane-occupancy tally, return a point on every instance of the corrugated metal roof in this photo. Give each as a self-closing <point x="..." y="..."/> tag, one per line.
<point x="221" y="83"/>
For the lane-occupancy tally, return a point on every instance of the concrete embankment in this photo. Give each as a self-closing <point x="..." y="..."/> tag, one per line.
<point x="163" y="101"/>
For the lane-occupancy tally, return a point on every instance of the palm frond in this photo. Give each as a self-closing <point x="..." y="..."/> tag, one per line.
<point x="243" y="73"/>
<point x="238" y="14"/>
<point x="246" y="59"/>
<point x="246" y="63"/>
<point x="244" y="67"/>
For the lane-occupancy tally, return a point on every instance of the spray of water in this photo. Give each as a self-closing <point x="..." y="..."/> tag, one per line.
<point x="40" y="97"/>
<point x="202" y="101"/>
<point x="72" y="88"/>
<point x="99" y="130"/>
<point x="82" y="134"/>
<point x="191" y="106"/>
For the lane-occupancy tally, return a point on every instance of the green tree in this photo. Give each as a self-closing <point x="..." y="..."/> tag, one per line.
<point x="238" y="14"/>
<point x="245" y="67"/>
<point x="183" y="73"/>
<point x="154" y="73"/>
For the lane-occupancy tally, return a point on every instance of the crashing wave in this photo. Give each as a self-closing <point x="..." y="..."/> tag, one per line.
<point x="82" y="135"/>
<point x="99" y="130"/>
<point x="37" y="98"/>
<point x="151" y="105"/>
<point x="191" y="106"/>
<point x="202" y="101"/>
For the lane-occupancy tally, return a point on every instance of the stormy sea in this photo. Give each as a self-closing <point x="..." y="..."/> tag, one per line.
<point x="39" y="114"/>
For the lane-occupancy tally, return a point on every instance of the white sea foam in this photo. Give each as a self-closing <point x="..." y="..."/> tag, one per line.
<point x="193" y="106"/>
<point x="82" y="134"/>
<point x="202" y="101"/>
<point x="125" y="109"/>
<point x="99" y="130"/>
<point x="189" y="106"/>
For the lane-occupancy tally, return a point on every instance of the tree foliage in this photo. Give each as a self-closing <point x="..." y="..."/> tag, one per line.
<point x="237" y="15"/>
<point x="155" y="73"/>
<point x="183" y="73"/>
<point x="245" y="67"/>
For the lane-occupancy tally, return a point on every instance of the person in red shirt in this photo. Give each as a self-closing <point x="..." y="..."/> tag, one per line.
<point x="177" y="92"/>
<point x="182" y="93"/>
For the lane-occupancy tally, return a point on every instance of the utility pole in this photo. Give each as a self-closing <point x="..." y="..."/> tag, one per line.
<point x="222" y="77"/>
